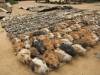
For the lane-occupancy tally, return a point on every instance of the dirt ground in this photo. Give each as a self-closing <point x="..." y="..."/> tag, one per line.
<point x="25" y="4"/>
<point x="9" y="65"/>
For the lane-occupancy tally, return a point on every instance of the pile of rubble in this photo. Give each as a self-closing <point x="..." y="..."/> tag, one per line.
<point x="29" y="23"/>
<point x="48" y="39"/>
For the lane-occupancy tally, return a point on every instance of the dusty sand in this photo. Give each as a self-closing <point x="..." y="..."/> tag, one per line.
<point x="25" y="4"/>
<point x="9" y="65"/>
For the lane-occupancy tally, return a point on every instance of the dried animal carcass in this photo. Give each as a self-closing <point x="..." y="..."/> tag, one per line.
<point x="68" y="49"/>
<point x="85" y="37"/>
<point x="51" y="58"/>
<point x="17" y="44"/>
<point x="79" y="49"/>
<point x="39" y="45"/>
<point x="39" y="66"/>
<point x="47" y="42"/>
<point x="24" y="56"/>
<point x="63" y="56"/>
<point x="34" y="52"/>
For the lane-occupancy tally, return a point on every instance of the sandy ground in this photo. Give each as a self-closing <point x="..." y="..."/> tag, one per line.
<point x="9" y="65"/>
<point x="25" y="4"/>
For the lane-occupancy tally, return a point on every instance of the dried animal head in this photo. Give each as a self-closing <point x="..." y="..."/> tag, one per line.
<point x="51" y="58"/>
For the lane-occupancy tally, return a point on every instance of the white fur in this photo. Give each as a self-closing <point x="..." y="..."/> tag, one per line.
<point x="66" y="41"/>
<point x="42" y="67"/>
<point x="65" y="57"/>
<point x="58" y="35"/>
<point x="76" y="26"/>
<point x="46" y="30"/>
<point x="27" y="44"/>
<point x="79" y="49"/>
<point x="17" y="40"/>
<point x="95" y="37"/>
<point x="24" y="55"/>
<point x="51" y="35"/>
<point x="26" y="37"/>
<point x="67" y="30"/>
<point x="69" y="37"/>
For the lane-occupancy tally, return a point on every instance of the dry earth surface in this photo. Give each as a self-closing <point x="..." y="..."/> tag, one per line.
<point x="9" y="65"/>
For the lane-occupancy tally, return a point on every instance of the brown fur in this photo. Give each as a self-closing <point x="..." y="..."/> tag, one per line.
<point x="84" y="36"/>
<point x="47" y="42"/>
<point x="34" y="52"/>
<point x="18" y="46"/>
<point x="56" y="42"/>
<point x="51" y="57"/>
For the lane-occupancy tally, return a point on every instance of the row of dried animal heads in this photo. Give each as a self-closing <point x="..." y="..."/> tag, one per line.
<point x="54" y="47"/>
<point x="82" y="36"/>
